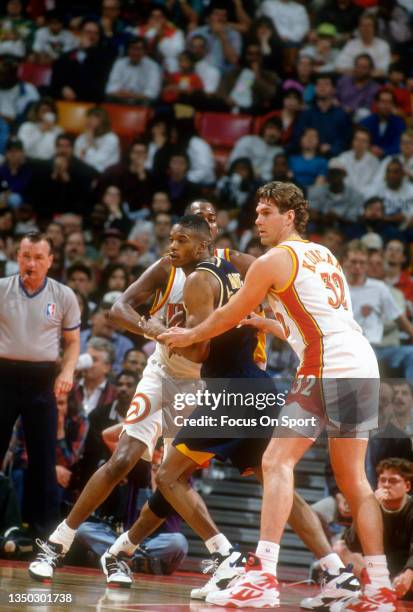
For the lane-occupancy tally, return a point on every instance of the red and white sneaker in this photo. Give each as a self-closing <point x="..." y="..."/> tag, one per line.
<point x="256" y="589"/>
<point x="369" y="600"/>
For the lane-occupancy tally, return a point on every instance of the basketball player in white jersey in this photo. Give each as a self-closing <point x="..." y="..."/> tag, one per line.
<point x="311" y="302"/>
<point x="164" y="376"/>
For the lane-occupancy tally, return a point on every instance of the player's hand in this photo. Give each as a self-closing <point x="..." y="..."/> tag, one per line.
<point x="403" y="582"/>
<point x="267" y="326"/>
<point x="176" y="337"/>
<point x="63" y="383"/>
<point x="152" y="328"/>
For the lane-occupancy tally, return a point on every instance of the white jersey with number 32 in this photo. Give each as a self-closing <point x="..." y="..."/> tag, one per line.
<point x="314" y="309"/>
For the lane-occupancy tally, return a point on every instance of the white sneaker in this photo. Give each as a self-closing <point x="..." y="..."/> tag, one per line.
<point x="379" y="600"/>
<point x="50" y="557"/>
<point x="224" y="569"/>
<point x="333" y="587"/>
<point x="116" y="570"/>
<point x="256" y="589"/>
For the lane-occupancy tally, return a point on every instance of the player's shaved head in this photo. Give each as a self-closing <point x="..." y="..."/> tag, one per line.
<point x="196" y="224"/>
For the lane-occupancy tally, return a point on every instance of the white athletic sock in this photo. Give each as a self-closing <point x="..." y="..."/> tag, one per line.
<point x="64" y="535"/>
<point x="123" y="544"/>
<point x="377" y="571"/>
<point x="332" y="563"/>
<point x="218" y="543"/>
<point x="268" y="552"/>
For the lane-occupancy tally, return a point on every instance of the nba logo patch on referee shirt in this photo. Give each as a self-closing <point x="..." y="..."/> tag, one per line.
<point x="50" y="310"/>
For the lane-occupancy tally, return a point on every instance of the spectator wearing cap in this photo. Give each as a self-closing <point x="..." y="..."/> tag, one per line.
<point x="396" y="191"/>
<point x="384" y="126"/>
<point x="98" y="146"/>
<point x="81" y="74"/>
<point x="101" y="327"/>
<point x="15" y="95"/>
<point x="290" y="19"/>
<point x="135" y="79"/>
<point x="53" y="39"/>
<point x="322" y="50"/>
<point x="224" y="42"/>
<point x="15" y="174"/>
<point x="361" y="166"/>
<point x="110" y="249"/>
<point x="331" y="122"/>
<point x="343" y="14"/>
<point x="356" y="91"/>
<point x="260" y="149"/>
<point x="365" y="42"/>
<point x="335" y="202"/>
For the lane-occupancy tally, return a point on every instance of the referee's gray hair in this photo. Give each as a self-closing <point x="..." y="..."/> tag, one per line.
<point x="101" y="344"/>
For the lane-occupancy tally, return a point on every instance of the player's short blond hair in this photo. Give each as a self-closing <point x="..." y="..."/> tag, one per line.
<point x="287" y="196"/>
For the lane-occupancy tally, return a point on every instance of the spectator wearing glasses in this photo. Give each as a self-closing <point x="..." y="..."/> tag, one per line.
<point x="394" y="484"/>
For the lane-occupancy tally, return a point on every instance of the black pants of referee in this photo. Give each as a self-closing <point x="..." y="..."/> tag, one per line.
<point x="26" y="389"/>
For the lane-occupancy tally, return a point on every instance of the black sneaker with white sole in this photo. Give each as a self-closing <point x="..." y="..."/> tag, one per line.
<point x="116" y="570"/>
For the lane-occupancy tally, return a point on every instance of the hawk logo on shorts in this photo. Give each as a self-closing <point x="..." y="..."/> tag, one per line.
<point x="50" y="310"/>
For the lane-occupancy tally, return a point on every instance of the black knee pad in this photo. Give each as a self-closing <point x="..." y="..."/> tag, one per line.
<point x="159" y="505"/>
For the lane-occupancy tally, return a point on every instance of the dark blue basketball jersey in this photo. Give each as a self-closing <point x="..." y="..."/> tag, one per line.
<point x="232" y="353"/>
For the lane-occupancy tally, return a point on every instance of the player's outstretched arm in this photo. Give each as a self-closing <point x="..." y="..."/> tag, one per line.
<point x="258" y="281"/>
<point x="123" y="312"/>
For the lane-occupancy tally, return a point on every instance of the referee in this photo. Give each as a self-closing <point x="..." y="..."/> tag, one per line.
<point x="36" y="312"/>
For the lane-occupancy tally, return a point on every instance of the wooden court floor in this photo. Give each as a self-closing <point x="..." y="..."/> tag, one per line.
<point x="80" y="590"/>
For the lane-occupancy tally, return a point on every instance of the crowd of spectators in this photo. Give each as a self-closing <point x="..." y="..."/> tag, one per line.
<point x="328" y="85"/>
